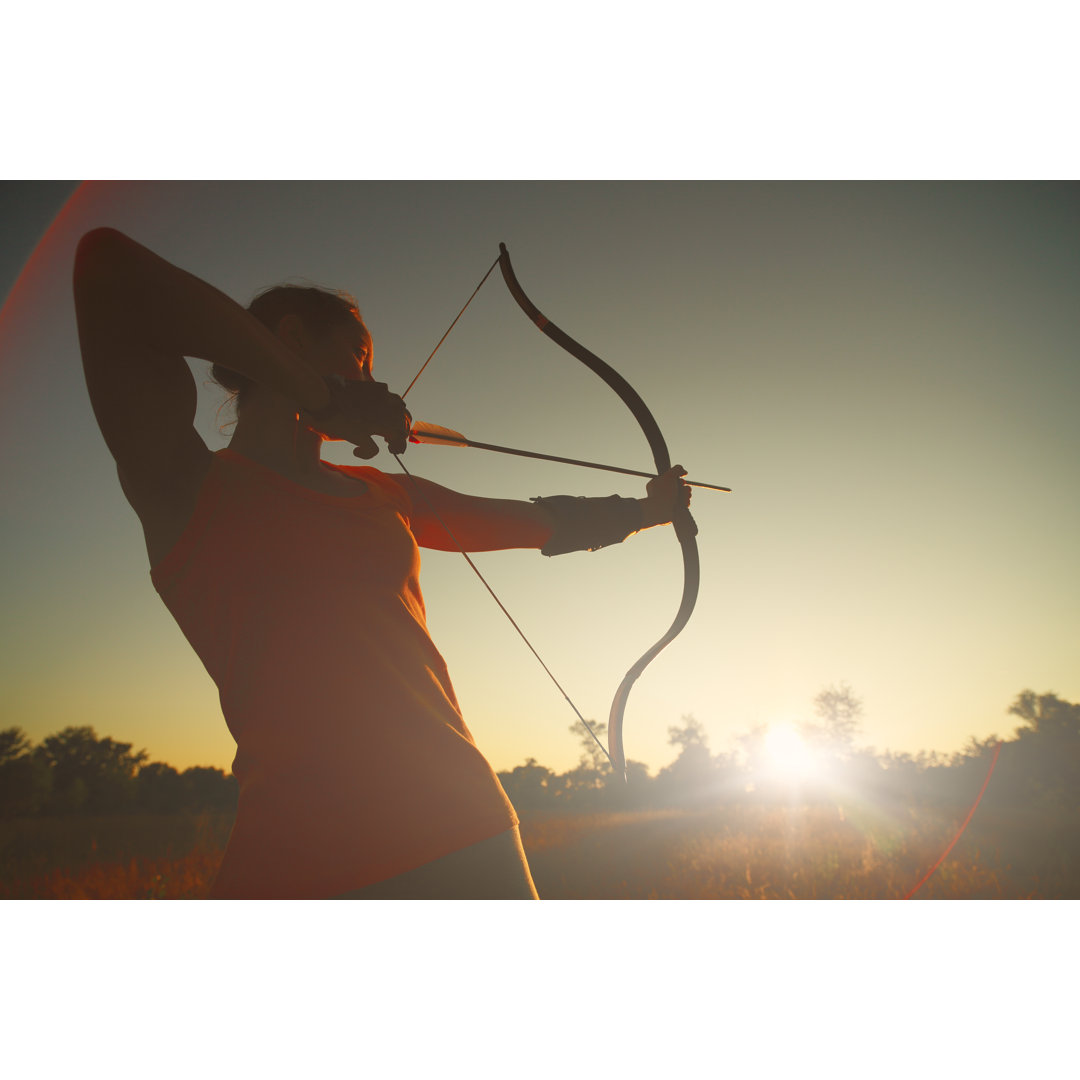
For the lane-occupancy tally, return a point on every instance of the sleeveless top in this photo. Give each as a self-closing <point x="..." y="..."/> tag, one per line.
<point x="353" y="760"/>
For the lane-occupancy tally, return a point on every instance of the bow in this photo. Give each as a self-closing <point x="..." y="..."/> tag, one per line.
<point x="684" y="524"/>
<point x="685" y="527"/>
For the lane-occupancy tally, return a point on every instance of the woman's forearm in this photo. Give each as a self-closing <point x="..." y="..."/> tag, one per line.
<point x="174" y="312"/>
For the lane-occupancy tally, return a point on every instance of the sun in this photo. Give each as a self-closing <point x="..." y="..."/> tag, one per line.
<point x="787" y="754"/>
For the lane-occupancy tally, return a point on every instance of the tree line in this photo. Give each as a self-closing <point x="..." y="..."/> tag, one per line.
<point x="1037" y="769"/>
<point x="77" y="772"/>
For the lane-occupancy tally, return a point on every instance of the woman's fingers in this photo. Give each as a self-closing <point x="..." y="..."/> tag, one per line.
<point x="667" y="493"/>
<point x="362" y="409"/>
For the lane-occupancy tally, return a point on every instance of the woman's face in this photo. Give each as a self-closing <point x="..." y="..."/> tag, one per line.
<point x="344" y="350"/>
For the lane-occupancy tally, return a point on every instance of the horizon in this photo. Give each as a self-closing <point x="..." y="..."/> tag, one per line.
<point x="783" y="729"/>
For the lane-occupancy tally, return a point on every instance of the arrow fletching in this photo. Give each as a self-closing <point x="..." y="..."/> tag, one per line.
<point x="434" y="433"/>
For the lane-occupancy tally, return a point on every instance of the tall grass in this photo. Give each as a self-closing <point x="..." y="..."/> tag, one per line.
<point x="128" y="857"/>
<point x="800" y="853"/>
<point x="727" y="852"/>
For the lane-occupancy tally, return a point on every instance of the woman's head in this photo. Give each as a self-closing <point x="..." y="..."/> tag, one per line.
<point x="319" y="310"/>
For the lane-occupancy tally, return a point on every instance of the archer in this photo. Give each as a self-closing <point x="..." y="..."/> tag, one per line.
<point x="296" y="581"/>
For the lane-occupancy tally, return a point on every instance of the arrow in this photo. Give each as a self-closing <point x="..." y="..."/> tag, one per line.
<point x="433" y="433"/>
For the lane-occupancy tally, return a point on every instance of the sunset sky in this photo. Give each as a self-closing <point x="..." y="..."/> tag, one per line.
<point x="885" y="373"/>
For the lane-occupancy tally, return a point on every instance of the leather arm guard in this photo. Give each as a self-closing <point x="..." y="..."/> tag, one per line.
<point x="583" y="524"/>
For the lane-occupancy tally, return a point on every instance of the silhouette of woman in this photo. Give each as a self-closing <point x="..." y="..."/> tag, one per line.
<point x="296" y="581"/>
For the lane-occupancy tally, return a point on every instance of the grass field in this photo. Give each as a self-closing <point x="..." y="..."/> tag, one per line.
<point x="722" y="853"/>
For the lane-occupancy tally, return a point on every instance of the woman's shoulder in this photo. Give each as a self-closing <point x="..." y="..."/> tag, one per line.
<point x="391" y="487"/>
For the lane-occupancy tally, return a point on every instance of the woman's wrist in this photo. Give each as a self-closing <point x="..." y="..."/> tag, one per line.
<point x="652" y="513"/>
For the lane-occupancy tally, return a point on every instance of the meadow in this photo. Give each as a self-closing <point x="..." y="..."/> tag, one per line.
<point x="724" y="852"/>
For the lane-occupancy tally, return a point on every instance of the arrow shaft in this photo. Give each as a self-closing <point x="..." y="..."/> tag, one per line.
<point x="458" y="439"/>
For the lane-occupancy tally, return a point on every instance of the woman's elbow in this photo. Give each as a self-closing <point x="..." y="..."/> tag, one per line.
<point x="99" y="252"/>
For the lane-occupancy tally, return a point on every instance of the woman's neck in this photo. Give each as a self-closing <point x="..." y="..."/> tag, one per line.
<point x="279" y="439"/>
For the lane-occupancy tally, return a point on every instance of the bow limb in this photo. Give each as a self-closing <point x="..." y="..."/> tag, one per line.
<point x="685" y="527"/>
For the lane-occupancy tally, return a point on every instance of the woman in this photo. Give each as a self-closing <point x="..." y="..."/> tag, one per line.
<point x="296" y="581"/>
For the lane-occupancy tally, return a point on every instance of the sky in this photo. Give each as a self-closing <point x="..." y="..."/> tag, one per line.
<point x="886" y="375"/>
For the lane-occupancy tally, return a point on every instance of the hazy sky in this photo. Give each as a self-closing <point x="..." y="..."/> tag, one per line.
<point x="886" y="375"/>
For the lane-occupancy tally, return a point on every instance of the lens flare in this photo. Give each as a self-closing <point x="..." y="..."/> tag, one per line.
<point x="788" y="756"/>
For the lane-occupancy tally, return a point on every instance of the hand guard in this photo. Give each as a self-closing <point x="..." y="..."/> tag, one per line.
<point x="583" y="524"/>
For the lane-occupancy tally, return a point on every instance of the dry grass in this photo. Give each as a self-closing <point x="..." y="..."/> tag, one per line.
<point x="722" y="853"/>
<point x="120" y="858"/>
<point x="770" y="853"/>
<point x="186" y="878"/>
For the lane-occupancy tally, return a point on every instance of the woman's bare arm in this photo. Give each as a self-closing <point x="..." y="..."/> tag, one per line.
<point x="481" y="524"/>
<point x="476" y="524"/>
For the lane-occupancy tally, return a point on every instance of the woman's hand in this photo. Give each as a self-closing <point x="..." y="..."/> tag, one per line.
<point x="358" y="410"/>
<point x="665" y="494"/>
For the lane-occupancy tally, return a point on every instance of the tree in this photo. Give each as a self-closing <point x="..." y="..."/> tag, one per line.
<point x="694" y="764"/>
<point x="840" y="712"/>
<point x="690" y="738"/>
<point x="531" y="786"/>
<point x="593" y="757"/>
<point x="207" y="788"/>
<point x="13" y="744"/>
<point x="25" y="778"/>
<point x="693" y="775"/>
<point x="89" y="774"/>
<point x="1042" y="768"/>
<point x="160" y="789"/>
<point x="1046" y="715"/>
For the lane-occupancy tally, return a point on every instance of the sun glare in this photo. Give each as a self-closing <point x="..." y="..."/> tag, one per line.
<point x="788" y="755"/>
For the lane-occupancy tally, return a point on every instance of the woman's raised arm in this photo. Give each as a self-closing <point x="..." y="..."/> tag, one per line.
<point x="138" y="317"/>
